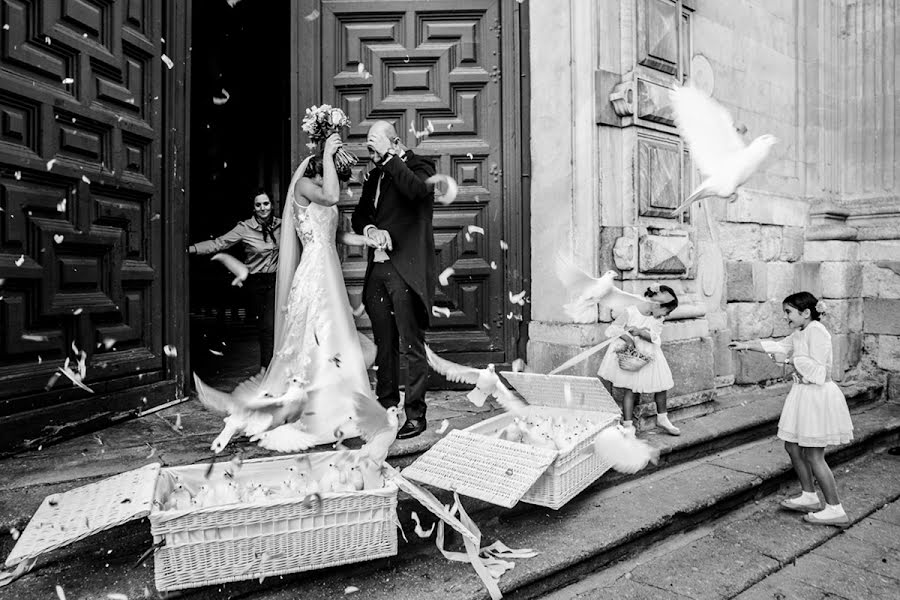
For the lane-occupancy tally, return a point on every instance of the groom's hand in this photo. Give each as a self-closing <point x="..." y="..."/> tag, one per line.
<point x="379" y="144"/>
<point x="382" y="238"/>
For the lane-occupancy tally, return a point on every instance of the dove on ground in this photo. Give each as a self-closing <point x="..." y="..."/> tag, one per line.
<point x="486" y="382"/>
<point x="623" y="452"/>
<point x="716" y="147"/>
<point x="587" y="292"/>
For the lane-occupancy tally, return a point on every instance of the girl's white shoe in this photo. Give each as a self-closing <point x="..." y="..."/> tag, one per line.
<point x="662" y="421"/>
<point x="805" y="502"/>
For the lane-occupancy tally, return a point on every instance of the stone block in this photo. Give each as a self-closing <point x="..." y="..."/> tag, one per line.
<point x="745" y="281"/>
<point x="821" y="251"/>
<point x="691" y="362"/>
<point x="840" y="280"/>
<point x="779" y="280"/>
<point x="843" y="316"/>
<point x="792" y="240"/>
<point x="846" y="351"/>
<point x="740" y="241"/>
<point x="808" y="278"/>
<point x="879" y="250"/>
<point x="881" y="316"/>
<point x="756" y="206"/>
<point x="893" y="388"/>
<point x="687" y="329"/>
<point x="750" y="320"/>
<point x="780" y="327"/>
<point x="717" y="320"/>
<point x="723" y="365"/>
<point x="755" y="367"/>
<point x="879" y="282"/>
<point x="885" y="351"/>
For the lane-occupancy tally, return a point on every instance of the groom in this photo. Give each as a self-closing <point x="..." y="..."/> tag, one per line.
<point x="395" y="210"/>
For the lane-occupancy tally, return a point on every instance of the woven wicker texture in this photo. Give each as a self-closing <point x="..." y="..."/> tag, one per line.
<point x="489" y="469"/>
<point x="65" y="518"/>
<point x="549" y="390"/>
<point x="233" y="542"/>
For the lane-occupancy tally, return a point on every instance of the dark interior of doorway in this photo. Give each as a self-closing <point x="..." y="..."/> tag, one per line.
<point x="240" y="141"/>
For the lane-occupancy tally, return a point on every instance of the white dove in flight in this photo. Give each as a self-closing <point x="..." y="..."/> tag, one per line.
<point x="255" y="416"/>
<point x="588" y="291"/>
<point x="716" y="148"/>
<point x="486" y="382"/>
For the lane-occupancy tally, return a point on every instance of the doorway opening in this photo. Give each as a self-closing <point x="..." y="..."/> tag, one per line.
<point x="240" y="142"/>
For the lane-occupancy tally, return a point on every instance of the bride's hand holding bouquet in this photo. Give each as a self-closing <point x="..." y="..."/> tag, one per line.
<point x="320" y="123"/>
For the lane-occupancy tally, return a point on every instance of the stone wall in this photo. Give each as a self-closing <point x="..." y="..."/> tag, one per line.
<point x="820" y="215"/>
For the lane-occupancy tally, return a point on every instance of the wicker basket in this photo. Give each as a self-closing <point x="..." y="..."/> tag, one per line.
<point x="476" y="463"/>
<point x="235" y="542"/>
<point x="631" y="359"/>
<point x="219" y="544"/>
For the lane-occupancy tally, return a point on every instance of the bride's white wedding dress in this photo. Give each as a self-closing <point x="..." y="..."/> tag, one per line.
<point x="317" y="349"/>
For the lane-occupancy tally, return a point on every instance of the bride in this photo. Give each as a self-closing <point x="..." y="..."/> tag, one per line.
<point x="316" y="389"/>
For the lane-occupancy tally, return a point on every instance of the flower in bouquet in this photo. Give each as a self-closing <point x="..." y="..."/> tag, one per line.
<point x="322" y="121"/>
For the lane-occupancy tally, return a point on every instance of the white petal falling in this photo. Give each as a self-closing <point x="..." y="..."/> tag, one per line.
<point x="469" y="156"/>
<point x="220" y="100"/>
<point x="440" y="311"/>
<point x="50" y="163"/>
<point x="170" y="351"/>
<point x="18" y="175"/>
<point x="168" y="62"/>
<point x="20" y="261"/>
<point x="58" y="238"/>
<point x="504" y="246"/>
<point x="85" y="179"/>
<point x="350" y="589"/>
<point x="493" y="265"/>
<point x="61" y="205"/>
<point x="444" y="425"/>
<point x="312" y="16"/>
<point x="452" y="189"/>
<point x="445" y="275"/>
<point x="109" y="342"/>
<point x="68" y="81"/>
<point x="517" y="298"/>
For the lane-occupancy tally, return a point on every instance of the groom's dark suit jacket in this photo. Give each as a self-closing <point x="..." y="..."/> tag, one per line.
<point x="405" y="210"/>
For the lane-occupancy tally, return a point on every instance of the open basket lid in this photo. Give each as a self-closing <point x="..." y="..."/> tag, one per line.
<point x="74" y="515"/>
<point x="587" y="393"/>
<point x="490" y="469"/>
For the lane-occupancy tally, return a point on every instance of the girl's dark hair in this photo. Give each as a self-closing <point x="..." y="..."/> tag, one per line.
<point x="315" y="167"/>
<point x="664" y="290"/>
<point x="804" y="301"/>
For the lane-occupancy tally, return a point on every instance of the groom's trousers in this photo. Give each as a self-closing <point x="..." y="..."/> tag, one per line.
<point x="397" y="316"/>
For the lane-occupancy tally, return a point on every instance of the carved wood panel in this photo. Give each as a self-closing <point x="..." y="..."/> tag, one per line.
<point x="431" y="68"/>
<point x="80" y="193"/>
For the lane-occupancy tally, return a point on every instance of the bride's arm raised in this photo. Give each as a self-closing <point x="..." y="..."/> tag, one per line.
<point x="330" y="191"/>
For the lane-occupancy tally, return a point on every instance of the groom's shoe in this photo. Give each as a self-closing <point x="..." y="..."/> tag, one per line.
<point x="411" y="429"/>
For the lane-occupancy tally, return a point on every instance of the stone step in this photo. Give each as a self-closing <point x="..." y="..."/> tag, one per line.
<point x="600" y="526"/>
<point x="753" y="552"/>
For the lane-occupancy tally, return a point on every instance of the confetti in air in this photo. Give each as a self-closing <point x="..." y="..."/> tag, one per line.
<point x="109" y="342"/>
<point x="58" y="238"/>
<point x="59" y="591"/>
<point x="20" y="261"/>
<point x="494" y="265"/>
<point x="77" y="311"/>
<point x="61" y="205"/>
<point x="518" y="366"/>
<point x="473" y="229"/>
<point x="419" y="531"/>
<point x="18" y="175"/>
<point x="28" y="337"/>
<point x="504" y="246"/>
<point x="444" y="425"/>
<point x="168" y="61"/>
<point x="231" y="3"/>
<point x="6" y="27"/>
<point x="220" y="100"/>
<point x="50" y="163"/>
<point x="170" y="351"/>
<point x="517" y="298"/>
<point x="216" y="352"/>
<point x="440" y="311"/>
<point x="68" y="81"/>
<point x="14" y="533"/>
<point x="452" y="189"/>
<point x="445" y="275"/>
<point x="350" y="589"/>
<point x="85" y="179"/>
<point x="312" y="16"/>
<point x="469" y="155"/>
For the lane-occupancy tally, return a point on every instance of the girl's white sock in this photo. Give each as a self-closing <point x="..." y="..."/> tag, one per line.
<point x="806" y="498"/>
<point x="628" y="426"/>
<point x="831" y="511"/>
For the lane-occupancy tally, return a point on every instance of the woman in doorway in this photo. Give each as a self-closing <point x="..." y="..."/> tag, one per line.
<point x="259" y="236"/>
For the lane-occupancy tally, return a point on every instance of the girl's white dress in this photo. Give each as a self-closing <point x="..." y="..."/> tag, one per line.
<point x="655" y="376"/>
<point x="815" y="414"/>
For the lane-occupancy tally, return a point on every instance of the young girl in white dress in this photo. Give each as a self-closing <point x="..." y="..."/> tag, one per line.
<point x="815" y="413"/>
<point x="641" y="328"/>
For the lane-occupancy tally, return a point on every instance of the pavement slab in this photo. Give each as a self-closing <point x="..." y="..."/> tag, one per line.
<point x="843" y="579"/>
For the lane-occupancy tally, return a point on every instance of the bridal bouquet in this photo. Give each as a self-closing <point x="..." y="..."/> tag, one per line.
<point x="320" y="122"/>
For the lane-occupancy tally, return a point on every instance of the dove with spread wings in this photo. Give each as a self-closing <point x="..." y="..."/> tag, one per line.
<point x="717" y="149"/>
<point x="587" y="292"/>
<point x="486" y="382"/>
